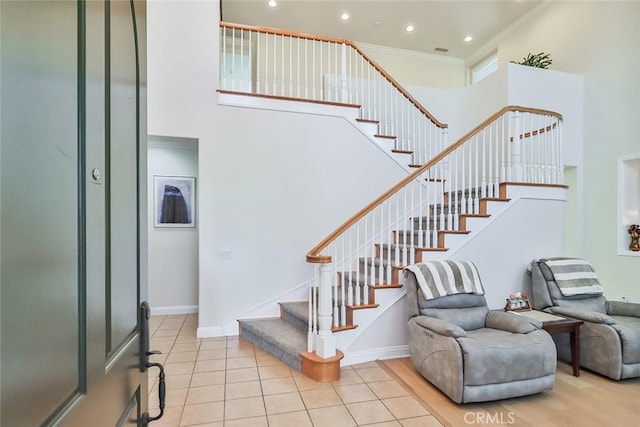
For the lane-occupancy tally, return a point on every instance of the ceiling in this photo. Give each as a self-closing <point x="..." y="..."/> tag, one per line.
<point x="438" y="24"/>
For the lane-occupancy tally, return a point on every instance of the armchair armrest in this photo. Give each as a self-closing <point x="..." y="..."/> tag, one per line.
<point x="511" y="322"/>
<point x="586" y="315"/>
<point x="618" y="308"/>
<point x="440" y="327"/>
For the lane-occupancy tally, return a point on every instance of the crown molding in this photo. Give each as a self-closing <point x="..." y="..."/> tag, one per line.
<point x="493" y="43"/>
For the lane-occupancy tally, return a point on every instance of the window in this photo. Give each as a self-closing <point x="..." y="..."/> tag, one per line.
<point x="484" y="68"/>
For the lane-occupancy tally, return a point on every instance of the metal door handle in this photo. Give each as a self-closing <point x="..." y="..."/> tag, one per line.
<point x="145" y="314"/>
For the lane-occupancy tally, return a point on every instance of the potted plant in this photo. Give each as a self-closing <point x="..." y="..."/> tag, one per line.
<point x="539" y="60"/>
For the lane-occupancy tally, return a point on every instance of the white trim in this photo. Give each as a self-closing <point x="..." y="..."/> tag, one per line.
<point x="173" y="142"/>
<point x="209" y="332"/>
<point x="176" y="309"/>
<point x="392" y="352"/>
<point x="404" y="53"/>
<point x="621" y="226"/>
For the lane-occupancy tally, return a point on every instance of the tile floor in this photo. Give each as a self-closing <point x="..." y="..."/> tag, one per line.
<point x="228" y="382"/>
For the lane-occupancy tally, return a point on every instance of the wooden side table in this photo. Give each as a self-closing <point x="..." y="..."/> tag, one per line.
<point x="554" y="325"/>
<point x="573" y="327"/>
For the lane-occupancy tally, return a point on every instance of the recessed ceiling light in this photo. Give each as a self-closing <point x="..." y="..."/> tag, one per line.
<point x="345" y="16"/>
<point x="272" y="3"/>
<point x="468" y="39"/>
<point x="409" y="28"/>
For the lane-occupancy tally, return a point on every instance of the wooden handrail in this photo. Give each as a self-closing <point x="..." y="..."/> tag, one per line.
<point x="313" y="256"/>
<point x="373" y="63"/>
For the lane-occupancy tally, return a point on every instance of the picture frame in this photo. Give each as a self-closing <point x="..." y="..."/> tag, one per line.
<point x="518" y="304"/>
<point x="174" y="201"/>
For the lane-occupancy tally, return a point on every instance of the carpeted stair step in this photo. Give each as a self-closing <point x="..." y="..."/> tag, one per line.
<point x="383" y="249"/>
<point x="278" y="338"/>
<point x="424" y="238"/>
<point x="296" y="313"/>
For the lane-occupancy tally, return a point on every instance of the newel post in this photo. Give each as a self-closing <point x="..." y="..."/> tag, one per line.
<point x="325" y="340"/>
<point x="516" y="158"/>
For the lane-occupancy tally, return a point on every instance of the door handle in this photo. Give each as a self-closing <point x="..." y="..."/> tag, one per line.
<point x="145" y="314"/>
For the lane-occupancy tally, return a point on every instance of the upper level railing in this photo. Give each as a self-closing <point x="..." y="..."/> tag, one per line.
<point x="285" y="64"/>
<point x="516" y="144"/>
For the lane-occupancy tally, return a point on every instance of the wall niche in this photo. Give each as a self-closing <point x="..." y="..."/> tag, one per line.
<point x="628" y="201"/>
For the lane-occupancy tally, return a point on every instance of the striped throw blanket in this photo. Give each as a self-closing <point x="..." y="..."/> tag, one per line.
<point x="441" y="278"/>
<point x="574" y="276"/>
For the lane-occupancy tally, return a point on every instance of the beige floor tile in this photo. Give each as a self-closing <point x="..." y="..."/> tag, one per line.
<point x="241" y="351"/>
<point x="165" y="333"/>
<point x="171" y="417"/>
<point x="290" y="419"/>
<point x="178" y="368"/>
<point x="186" y="338"/>
<point x="265" y="359"/>
<point x="355" y="393"/>
<point x="247" y="422"/>
<point x="162" y="340"/>
<point x="210" y="365"/>
<point x="241" y="362"/>
<point x="405" y="407"/>
<point x="239" y="375"/>
<point x="333" y="416"/>
<point x="366" y="365"/>
<point x="278" y="385"/>
<point x="386" y="389"/>
<point x="202" y="413"/>
<point x="393" y="423"/>
<point x="205" y="394"/>
<point x="348" y="376"/>
<point x="426" y="421"/>
<point x="177" y="382"/>
<point x="320" y="398"/>
<point x="219" y="353"/>
<point x="189" y="346"/>
<point x="285" y="402"/>
<point x="369" y="412"/>
<point x="184" y="356"/>
<point x="244" y="408"/>
<point x="274" y="371"/>
<point x="242" y="390"/>
<point x="200" y="379"/>
<point x="373" y="374"/>
<point x="306" y="383"/>
<point x="213" y="344"/>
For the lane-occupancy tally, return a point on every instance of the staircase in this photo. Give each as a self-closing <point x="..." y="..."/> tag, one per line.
<point x="450" y="189"/>
<point x="286" y="337"/>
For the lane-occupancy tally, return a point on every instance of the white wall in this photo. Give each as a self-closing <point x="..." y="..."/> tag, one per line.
<point x="271" y="184"/>
<point x="410" y="68"/>
<point x="173" y="252"/>
<point x="601" y="41"/>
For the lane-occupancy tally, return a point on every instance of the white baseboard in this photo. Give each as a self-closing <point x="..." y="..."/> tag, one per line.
<point x="210" y="332"/>
<point x="394" y="352"/>
<point x="177" y="309"/>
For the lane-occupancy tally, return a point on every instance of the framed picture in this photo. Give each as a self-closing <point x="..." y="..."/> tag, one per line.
<point x="174" y="201"/>
<point x="518" y="304"/>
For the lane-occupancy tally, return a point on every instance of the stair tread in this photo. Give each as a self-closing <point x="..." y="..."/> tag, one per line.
<point x="277" y="337"/>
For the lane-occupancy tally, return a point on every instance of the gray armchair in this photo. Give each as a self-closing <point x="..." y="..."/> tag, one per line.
<point x="470" y="353"/>
<point x="610" y="335"/>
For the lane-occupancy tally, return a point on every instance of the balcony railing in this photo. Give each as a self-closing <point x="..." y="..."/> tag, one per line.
<point x="278" y="63"/>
